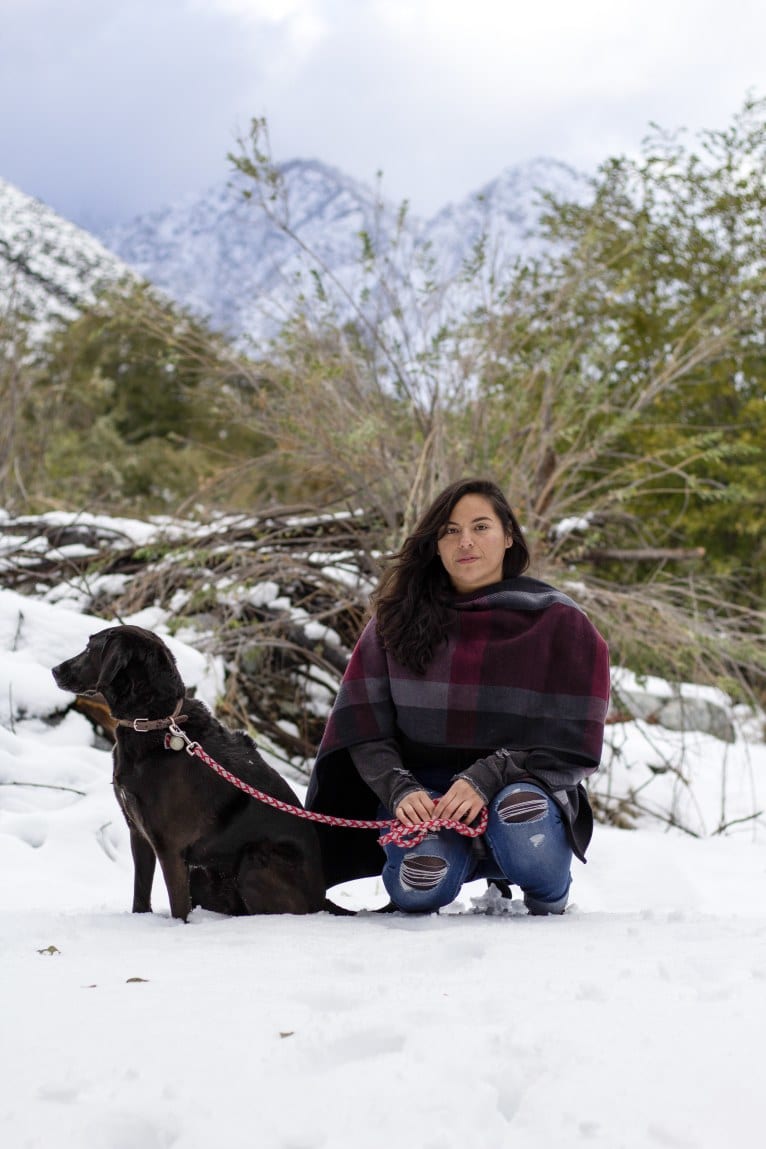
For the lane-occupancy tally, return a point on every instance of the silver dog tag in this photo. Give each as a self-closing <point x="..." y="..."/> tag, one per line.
<point x="175" y="742"/>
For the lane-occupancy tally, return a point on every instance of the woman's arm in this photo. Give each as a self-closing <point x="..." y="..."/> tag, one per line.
<point x="379" y="764"/>
<point x="489" y="775"/>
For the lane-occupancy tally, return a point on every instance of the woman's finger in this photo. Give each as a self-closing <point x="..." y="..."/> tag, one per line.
<point x="415" y="808"/>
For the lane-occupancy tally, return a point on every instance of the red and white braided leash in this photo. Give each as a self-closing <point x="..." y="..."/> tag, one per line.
<point x="398" y="833"/>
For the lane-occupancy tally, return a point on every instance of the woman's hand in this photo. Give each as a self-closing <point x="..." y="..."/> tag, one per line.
<point x="415" y="808"/>
<point x="461" y="803"/>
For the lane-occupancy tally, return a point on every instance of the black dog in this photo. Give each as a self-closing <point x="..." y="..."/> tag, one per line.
<point x="218" y="848"/>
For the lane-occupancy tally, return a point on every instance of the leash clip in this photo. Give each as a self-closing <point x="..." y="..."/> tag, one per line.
<point x="175" y="739"/>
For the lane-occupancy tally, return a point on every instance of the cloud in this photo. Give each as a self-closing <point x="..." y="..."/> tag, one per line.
<point x="120" y="107"/>
<point x="115" y="103"/>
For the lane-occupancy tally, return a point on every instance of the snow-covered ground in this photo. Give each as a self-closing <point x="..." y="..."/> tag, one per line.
<point x="634" y="1020"/>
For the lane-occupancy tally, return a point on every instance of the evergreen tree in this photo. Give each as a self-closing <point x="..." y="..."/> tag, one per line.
<point x="131" y="408"/>
<point x="624" y="372"/>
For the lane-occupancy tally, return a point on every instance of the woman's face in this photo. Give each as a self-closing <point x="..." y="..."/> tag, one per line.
<point x="472" y="545"/>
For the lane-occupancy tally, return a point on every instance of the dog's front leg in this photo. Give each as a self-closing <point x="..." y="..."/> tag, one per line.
<point x="176" y="874"/>
<point x="144" y="862"/>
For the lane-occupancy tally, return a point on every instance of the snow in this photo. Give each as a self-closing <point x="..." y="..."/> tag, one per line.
<point x="49" y="268"/>
<point x="634" y="1020"/>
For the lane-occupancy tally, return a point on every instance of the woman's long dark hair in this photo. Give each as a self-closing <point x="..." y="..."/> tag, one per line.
<point x="412" y="597"/>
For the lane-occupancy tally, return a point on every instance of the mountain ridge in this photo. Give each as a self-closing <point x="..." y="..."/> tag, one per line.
<point x="49" y="268"/>
<point x="219" y="254"/>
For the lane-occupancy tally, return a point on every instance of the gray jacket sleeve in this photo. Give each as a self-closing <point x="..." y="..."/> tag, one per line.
<point x="489" y="775"/>
<point x="379" y="764"/>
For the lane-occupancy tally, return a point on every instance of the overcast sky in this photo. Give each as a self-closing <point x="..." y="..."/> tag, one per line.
<point x="109" y="108"/>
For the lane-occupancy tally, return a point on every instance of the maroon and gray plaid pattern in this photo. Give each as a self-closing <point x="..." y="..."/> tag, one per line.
<point x="522" y="667"/>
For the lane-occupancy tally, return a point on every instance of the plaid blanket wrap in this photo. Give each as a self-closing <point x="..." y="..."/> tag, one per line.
<point x="523" y="668"/>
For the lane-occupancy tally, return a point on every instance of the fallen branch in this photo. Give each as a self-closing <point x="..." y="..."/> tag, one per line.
<point x="644" y="555"/>
<point x="46" y="786"/>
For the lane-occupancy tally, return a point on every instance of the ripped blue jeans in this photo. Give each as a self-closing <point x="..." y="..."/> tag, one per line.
<point x="525" y="842"/>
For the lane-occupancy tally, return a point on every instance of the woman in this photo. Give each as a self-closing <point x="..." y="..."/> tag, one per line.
<point x="472" y="685"/>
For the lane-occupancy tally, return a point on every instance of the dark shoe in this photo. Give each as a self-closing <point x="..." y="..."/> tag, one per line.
<point x="389" y="908"/>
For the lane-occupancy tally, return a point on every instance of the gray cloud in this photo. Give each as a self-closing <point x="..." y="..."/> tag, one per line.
<point x="117" y="108"/>
<point x="111" y="109"/>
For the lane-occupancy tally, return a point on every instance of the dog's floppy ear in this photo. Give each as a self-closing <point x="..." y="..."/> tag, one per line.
<point x="115" y="658"/>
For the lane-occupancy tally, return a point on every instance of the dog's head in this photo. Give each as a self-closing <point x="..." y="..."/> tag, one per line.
<point x="131" y="667"/>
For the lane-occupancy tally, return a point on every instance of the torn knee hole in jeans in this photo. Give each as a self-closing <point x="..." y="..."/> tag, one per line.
<point x="422" y="872"/>
<point x="523" y="806"/>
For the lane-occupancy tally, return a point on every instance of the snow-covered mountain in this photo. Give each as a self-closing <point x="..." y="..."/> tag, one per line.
<point x="225" y="257"/>
<point x="221" y="253"/>
<point x="504" y="212"/>
<point x="49" y="269"/>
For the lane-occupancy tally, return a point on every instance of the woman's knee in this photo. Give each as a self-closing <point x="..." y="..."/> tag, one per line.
<point x="528" y="839"/>
<point x="422" y="882"/>
<point x="525" y="813"/>
<point x="522" y="804"/>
